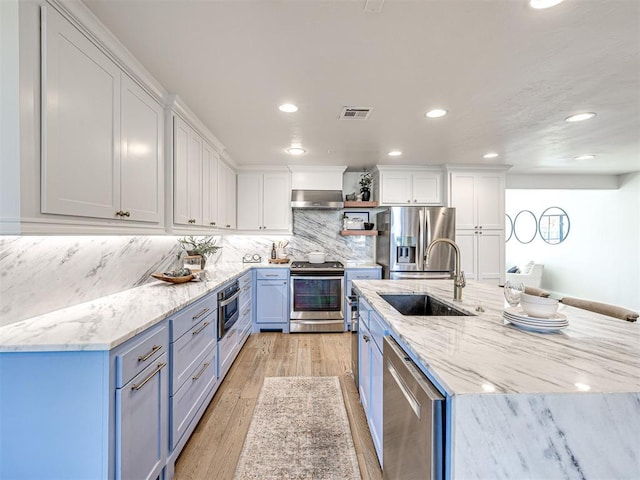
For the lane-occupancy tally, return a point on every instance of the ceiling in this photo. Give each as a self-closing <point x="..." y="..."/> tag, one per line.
<point x="507" y="74"/>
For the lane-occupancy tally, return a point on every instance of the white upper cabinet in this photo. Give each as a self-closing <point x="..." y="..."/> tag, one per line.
<point x="408" y="186"/>
<point x="102" y="134"/>
<point x="81" y="124"/>
<point x="187" y="174"/>
<point x="478" y="198"/>
<point x="142" y="156"/>
<point x="204" y="191"/>
<point x="209" y="186"/>
<point x="250" y="195"/>
<point x="226" y="196"/>
<point x="264" y="201"/>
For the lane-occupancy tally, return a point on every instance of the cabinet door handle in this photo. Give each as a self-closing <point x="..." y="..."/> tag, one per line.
<point x="154" y="349"/>
<point x="228" y="226"/>
<point x="153" y="374"/>
<point x="213" y="224"/>
<point x="204" y="310"/>
<point x="480" y="233"/>
<point x="199" y="374"/>
<point x="204" y="325"/>
<point x="365" y="337"/>
<point x="127" y="213"/>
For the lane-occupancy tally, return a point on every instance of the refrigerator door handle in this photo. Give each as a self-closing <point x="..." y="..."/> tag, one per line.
<point x="421" y="245"/>
<point x="428" y="239"/>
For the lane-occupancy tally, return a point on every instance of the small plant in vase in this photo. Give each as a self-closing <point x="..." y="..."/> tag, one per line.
<point x="202" y="246"/>
<point x="365" y="186"/>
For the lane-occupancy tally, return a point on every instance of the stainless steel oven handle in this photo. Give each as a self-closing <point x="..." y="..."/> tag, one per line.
<point x="226" y="302"/>
<point x="329" y="277"/>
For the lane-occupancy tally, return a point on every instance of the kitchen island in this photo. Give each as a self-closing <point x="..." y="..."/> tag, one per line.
<point x="522" y="404"/>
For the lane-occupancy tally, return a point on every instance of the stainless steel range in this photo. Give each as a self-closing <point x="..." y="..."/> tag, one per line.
<point x="317" y="299"/>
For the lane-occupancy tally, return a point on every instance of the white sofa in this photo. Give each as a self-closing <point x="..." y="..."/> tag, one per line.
<point x="530" y="274"/>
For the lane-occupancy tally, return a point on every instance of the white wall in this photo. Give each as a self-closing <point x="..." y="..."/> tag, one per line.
<point x="600" y="259"/>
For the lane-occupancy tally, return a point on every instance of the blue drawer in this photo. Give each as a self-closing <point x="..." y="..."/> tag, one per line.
<point x="187" y="400"/>
<point x="188" y="317"/>
<point x="187" y="348"/>
<point x="272" y="274"/>
<point x="138" y="354"/>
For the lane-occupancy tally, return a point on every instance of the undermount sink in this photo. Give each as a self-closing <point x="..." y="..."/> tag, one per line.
<point x="422" y="305"/>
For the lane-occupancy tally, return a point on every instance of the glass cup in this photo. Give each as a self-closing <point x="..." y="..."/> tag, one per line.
<point x="513" y="291"/>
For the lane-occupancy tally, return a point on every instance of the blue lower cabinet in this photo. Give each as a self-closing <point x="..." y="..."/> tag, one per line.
<point x="272" y="299"/>
<point x="142" y="423"/>
<point x="371" y="334"/>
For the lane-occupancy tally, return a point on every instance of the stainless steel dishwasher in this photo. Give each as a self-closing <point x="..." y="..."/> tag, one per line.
<point x="413" y="420"/>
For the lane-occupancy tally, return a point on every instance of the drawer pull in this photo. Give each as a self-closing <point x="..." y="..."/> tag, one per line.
<point x="246" y="312"/>
<point x="201" y="328"/>
<point x="271" y="275"/>
<point x="199" y="374"/>
<point x="144" y="382"/>
<point x="195" y="317"/>
<point x="144" y="358"/>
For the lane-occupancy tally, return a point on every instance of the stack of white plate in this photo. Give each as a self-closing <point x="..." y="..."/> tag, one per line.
<point x="519" y="318"/>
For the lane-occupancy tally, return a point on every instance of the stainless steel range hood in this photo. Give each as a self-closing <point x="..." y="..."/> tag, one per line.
<point x="317" y="199"/>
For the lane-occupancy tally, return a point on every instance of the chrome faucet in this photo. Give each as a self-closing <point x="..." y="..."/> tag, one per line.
<point x="459" y="281"/>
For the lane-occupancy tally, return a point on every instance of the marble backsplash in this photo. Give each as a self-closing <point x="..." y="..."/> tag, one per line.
<point x="40" y="274"/>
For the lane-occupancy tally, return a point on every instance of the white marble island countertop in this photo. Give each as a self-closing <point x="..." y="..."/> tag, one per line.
<point x="525" y="405"/>
<point x="106" y="322"/>
<point x="484" y="354"/>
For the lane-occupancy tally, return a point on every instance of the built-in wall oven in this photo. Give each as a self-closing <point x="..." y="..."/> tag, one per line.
<point x="317" y="297"/>
<point x="228" y="311"/>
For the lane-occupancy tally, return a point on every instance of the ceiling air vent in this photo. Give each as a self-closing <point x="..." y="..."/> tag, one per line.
<point x="355" y="113"/>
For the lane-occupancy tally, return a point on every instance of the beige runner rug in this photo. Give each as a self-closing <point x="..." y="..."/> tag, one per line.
<point x="299" y="430"/>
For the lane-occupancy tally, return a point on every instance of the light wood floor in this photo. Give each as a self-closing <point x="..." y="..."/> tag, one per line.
<point x="214" y="448"/>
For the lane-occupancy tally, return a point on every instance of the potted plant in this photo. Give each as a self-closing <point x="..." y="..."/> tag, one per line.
<point x="203" y="246"/>
<point x="365" y="186"/>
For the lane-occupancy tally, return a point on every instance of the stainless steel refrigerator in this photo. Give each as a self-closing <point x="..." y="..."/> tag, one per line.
<point x="403" y="236"/>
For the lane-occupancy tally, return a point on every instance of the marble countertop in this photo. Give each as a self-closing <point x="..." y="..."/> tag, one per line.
<point x="105" y="323"/>
<point x="484" y="354"/>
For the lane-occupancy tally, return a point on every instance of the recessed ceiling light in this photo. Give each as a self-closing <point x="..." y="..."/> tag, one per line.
<point x="584" y="157"/>
<point x="490" y="155"/>
<point x="540" y="4"/>
<point x="288" y="108"/>
<point x="580" y="117"/>
<point x="296" y="151"/>
<point x="436" y="113"/>
<point x="395" y="153"/>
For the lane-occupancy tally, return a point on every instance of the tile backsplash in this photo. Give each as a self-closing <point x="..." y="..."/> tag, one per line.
<point x="40" y="274"/>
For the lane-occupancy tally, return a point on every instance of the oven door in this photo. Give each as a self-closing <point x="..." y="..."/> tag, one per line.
<point x="317" y="298"/>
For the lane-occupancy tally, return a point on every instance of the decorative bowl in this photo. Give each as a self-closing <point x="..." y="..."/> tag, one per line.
<point x="539" y="307"/>
<point x="368" y="226"/>
<point x="167" y="278"/>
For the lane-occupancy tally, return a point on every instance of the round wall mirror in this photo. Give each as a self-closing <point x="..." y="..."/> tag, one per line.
<point x="525" y="226"/>
<point x="554" y="225"/>
<point x="508" y="228"/>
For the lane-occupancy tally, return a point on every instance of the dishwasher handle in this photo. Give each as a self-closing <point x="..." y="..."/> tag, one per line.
<point x="411" y="400"/>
